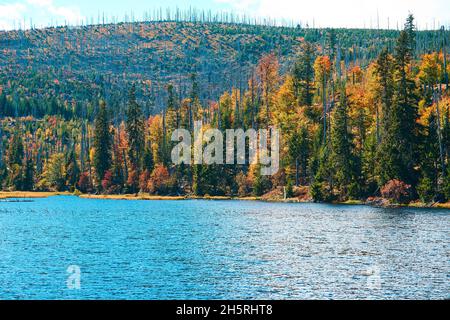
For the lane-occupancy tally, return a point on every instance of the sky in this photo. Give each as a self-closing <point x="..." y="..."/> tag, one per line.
<point x="429" y="14"/>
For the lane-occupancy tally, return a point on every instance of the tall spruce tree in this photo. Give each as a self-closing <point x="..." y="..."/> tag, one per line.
<point x="303" y="75"/>
<point x="386" y="147"/>
<point x="342" y="157"/>
<point x="405" y="113"/>
<point x="298" y="154"/>
<point x="398" y="156"/>
<point x="135" y="127"/>
<point x="73" y="170"/>
<point x="102" y="143"/>
<point x="16" y="150"/>
<point x="430" y="163"/>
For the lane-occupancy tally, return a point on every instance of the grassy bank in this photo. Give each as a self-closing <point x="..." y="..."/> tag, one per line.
<point x="29" y="195"/>
<point x="148" y="197"/>
<point x="152" y="197"/>
<point x="130" y="197"/>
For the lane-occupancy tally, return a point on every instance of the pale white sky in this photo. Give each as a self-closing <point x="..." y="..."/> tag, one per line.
<point x="349" y="13"/>
<point x="324" y="13"/>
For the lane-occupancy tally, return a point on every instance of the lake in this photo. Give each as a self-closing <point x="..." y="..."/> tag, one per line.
<point x="220" y="250"/>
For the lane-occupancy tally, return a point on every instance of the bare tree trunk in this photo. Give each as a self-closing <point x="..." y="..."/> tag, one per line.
<point x="441" y="146"/>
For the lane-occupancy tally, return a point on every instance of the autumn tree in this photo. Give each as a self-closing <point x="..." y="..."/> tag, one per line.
<point x="322" y="69"/>
<point x="267" y="71"/>
<point x="55" y="173"/>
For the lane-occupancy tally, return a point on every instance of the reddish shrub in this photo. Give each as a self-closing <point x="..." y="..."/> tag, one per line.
<point x="84" y="184"/>
<point x="107" y="181"/>
<point x="143" y="181"/>
<point x="396" y="191"/>
<point x="133" y="180"/>
<point x="160" y="180"/>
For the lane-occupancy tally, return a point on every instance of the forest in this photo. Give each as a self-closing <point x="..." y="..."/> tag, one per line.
<point x="363" y="114"/>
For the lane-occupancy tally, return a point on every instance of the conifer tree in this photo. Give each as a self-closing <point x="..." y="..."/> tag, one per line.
<point x="73" y="170"/>
<point x="428" y="185"/>
<point x="405" y="131"/>
<point x="28" y="175"/>
<point x="102" y="143"/>
<point x="135" y="129"/>
<point x="342" y="156"/>
<point x="303" y="75"/>
<point x="16" y="151"/>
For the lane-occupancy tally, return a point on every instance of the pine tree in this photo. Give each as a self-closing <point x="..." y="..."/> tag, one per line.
<point x="16" y="151"/>
<point x="135" y="129"/>
<point x="430" y="163"/>
<point x="73" y="170"/>
<point x="342" y="158"/>
<point x="397" y="154"/>
<point x="410" y="30"/>
<point x="404" y="114"/>
<point x="148" y="160"/>
<point x="299" y="153"/>
<point x="386" y="147"/>
<point x="102" y="143"/>
<point x="303" y="75"/>
<point x="28" y="176"/>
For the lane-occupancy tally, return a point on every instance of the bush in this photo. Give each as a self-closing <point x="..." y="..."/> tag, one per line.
<point x="143" y="181"/>
<point x="318" y="191"/>
<point x="446" y="189"/>
<point x="160" y="182"/>
<point x="396" y="191"/>
<point x="426" y="190"/>
<point x="107" y="181"/>
<point x="354" y="191"/>
<point x="290" y="189"/>
<point x="84" y="184"/>
<point x="244" y="184"/>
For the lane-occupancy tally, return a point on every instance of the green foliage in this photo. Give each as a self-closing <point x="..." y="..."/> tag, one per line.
<point x="102" y="144"/>
<point x="299" y="152"/>
<point x="303" y="75"/>
<point x="135" y="130"/>
<point x="290" y="189"/>
<point x="28" y="176"/>
<point x="446" y="188"/>
<point x="342" y="159"/>
<point x="16" y="153"/>
<point x="55" y="174"/>
<point x="426" y="190"/>
<point x="72" y="171"/>
<point x="318" y="191"/>
<point x="261" y="184"/>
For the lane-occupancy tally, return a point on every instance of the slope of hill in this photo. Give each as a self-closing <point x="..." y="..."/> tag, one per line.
<point x="61" y="67"/>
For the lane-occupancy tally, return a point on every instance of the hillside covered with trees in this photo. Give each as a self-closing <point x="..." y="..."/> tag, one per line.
<point x="363" y="113"/>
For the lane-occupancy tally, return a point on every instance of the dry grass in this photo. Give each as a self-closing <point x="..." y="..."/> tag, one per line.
<point x="29" y="195"/>
<point x="130" y="197"/>
<point x="442" y="205"/>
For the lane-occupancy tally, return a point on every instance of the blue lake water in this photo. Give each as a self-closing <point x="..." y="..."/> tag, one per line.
<point x="221" y="250"/>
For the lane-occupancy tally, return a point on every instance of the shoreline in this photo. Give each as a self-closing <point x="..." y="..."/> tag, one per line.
<point x="4" y="195"/>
